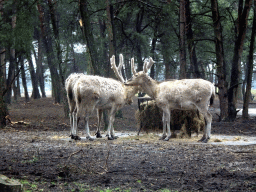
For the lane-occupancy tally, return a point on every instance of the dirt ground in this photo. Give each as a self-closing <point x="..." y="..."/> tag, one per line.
<point x="35" y="150"/>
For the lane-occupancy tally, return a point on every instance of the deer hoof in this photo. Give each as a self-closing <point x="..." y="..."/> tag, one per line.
<point x="90" y="138"/>
<point x="110" y="138"/>
<point x="163" y="137"/>
<point x="72" y="136"/>
<point x="114" y="137"/>
<point x="76" y="138"/>
<point x="98" y="135"/>
<point x="204" y="139"/>
<point x="167" y="138"/>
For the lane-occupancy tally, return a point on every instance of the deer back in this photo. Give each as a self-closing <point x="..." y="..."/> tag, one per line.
<point x="99" y="90"/>
<point x="185" y="93"/>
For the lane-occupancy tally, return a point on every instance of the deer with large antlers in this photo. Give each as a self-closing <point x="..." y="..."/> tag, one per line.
<point x="94" y="92"/>
<point x="185" y="94"/>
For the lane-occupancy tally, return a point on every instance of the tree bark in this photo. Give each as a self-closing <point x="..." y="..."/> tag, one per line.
<point x="87" y="30"/>
<point x="3" y="107"/>
<point x="182" y="40"/>
<point x="221" y="65"/>
<point x="190" y="41"/>
<point x="23" y="78"/>
<point x="47" y="40"/>
<point x="11" y="72"/>
<point x="39" y="65"/>
<point x="34" y="80"/>
<point x="245" y="114"/>
<point x="139" y="19"/>
<point x="111" y="38"/>
<point x="238" y="49"/>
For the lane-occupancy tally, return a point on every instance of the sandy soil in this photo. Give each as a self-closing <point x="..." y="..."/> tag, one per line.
<point x="35" y="149"/>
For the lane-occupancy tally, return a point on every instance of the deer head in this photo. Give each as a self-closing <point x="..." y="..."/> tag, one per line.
<point x="141" y="76"/>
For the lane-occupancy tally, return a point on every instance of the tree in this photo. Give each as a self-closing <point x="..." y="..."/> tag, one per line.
<point x="190" y="41"/>
<point x="249" y="69"/>
<point x="47" y="40"/>
<point x="221" y="65"/>
<point x="87" y="30"/>
<point x="34" y="79"/>
<point x="182" y="25"/>
<point x="243" y="13"/>
<point x="23" y="77"/>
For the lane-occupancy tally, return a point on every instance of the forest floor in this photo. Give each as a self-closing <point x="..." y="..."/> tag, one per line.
<point x="35" y="149"/>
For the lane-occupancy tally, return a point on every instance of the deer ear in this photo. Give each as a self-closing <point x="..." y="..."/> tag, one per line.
<point x="145" y="68"/>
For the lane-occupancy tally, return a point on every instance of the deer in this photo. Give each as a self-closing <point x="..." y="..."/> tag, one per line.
<point x="95" y="92"/>
<point x="184" y="94"/>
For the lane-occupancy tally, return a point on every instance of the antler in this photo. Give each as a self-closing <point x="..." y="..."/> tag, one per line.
<point x="148" y="65"/>
<point x="151" y="62"/>
<point x="132" y="66"/>
<point x="117" y="70"/>
<point x="145" y="68"/>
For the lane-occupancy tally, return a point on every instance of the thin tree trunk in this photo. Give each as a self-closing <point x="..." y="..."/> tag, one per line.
<point x="182" y="40"/>
<point x="23" y="78"/>
<point x="139" y="19"/>
<point x="17" y="81"/>
<point x="35" y="93"/>
<point x="3" y="107"/>
<point x="238" y="49"/>
<point x="190" y="40"/>
<point x="245" y="114"/>
<point x="221" y="66"/>
<point x="47" y="40"/>
<point x="55" y="21"/>
<point x="111" y="37"/>
<point x="11" y="72"/>
<point x="87" y="30"/>
<point x="39" y="65"/>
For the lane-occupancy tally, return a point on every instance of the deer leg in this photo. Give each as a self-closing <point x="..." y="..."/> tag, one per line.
<point x="110" y="124"/>
<point x="207" y="130"/>
<point x="71" y="123"/>
<point x="168" y="120"/>
<point x="87" y="130"/>
<point x="72" y="119"/>
<point x="75" y="124"/>
<point x="99" y="115"/>
<point x="164" y="127"/>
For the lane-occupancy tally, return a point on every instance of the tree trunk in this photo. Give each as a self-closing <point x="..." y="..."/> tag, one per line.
<point x="34" y="80"/>
<point x="111" y="38"/>
<point x="87" y="30"/>
<point x="221" y="66"/>
<point x="139" y="19"/>
<point x="245" y="114"/>
<point x="190" y="40"/>
<point x="238" y="49"/>
<point x="182" y="40"/>
<point x="3" y="107"/>
<point x="39" y="65"/>
<point x="55" y="25"/>
<point x="47" y="40"/>
<point x="10" y="78"/>
<point x="23" y="78"/>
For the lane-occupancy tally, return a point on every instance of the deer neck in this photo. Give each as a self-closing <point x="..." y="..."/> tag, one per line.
<point x="150" y="86"/>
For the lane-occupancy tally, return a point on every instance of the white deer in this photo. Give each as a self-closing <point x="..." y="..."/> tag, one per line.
<point x="94" y="92"/>
<point x="185" y="94"/>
